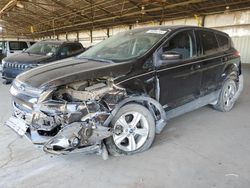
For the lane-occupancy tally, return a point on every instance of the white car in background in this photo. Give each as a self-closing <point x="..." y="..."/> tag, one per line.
<point x="8" y="48"/>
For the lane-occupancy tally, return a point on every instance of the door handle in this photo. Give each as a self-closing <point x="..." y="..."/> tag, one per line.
<point x="224" y="59"/>
<point x="195" y="67"/>
<point x="11" y="52"/>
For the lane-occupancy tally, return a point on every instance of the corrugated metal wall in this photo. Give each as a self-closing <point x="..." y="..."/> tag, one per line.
<point x="242" y="43"/>
<point x="236" y="24"/>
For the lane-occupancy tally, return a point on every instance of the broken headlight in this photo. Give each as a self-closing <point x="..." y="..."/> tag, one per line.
<point x="26" y="89"/>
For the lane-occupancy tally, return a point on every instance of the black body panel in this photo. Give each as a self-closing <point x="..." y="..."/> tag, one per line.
<point x="180" y="81"/>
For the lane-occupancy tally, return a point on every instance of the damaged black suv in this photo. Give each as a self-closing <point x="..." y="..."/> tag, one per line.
<point x="116" y="96"/>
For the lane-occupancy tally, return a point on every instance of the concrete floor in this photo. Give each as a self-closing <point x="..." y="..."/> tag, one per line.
<point x="204" y="148"/>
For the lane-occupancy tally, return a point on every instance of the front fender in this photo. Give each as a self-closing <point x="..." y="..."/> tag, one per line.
<point x="160" y="122"/>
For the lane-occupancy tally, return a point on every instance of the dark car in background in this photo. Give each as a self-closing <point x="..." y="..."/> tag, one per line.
<point x="122" y="91"/>
<point x="40" y="53"/>
<point x="9" y="48"/>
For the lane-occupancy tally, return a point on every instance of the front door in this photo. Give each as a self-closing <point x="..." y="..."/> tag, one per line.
<point x="179" y="75"/>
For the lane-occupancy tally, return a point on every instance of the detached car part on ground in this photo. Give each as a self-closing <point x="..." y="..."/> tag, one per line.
<point x="117" y="95"/>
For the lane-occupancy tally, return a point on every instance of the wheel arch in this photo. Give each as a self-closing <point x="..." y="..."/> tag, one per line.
<point x="229" y="69"/>
<point x="151" y="104"/>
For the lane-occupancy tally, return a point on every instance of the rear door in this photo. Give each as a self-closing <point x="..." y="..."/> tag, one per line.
<point x="213" y="60"/>
<point x="180" y="79"/>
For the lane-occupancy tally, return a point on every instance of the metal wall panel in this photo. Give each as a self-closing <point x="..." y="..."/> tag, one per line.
<point x="236" y="24"/>
<point x="242" y="43"/>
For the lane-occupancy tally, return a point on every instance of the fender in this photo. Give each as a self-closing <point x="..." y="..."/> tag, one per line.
<point x="229" y="69"/>
<point x="160" y="122"/>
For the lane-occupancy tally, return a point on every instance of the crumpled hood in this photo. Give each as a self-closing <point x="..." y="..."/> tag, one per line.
<point x="69" y="70"/>
<point x="25" y="58"/>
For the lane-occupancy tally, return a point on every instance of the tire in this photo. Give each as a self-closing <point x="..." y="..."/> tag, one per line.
<point x="226" y="98"/>
<point x="7" y="82"/>
<point x="133" y="130"/>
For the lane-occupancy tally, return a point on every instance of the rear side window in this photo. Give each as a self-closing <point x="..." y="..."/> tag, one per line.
<point x="71" y="49"/>
<point x="18" y="45"/>
<point x="75" y="48"/>
<point x="31" y="43"/>
<point x="223" y="41"/>
<point x="209" y="42"/>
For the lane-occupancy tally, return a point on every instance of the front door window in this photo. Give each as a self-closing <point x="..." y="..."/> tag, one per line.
<point x="183" y="44"/>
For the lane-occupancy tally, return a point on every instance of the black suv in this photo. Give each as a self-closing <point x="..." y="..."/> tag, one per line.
<point x="40" y="53"/>
<point x="117" y="95"/>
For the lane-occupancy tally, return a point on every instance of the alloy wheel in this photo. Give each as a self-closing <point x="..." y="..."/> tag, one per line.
<point x="131" y="131"/>
<point x="229" y="93"/>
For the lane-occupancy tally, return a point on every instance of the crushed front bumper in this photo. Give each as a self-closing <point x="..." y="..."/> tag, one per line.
<point x="21" y="123"/>
<point x="18" y="125"/>
<point x="23" y="129"/>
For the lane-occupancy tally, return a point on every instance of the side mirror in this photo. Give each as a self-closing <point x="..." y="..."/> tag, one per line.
<point x="24" y="49"/>
<point x="170" y="55"/>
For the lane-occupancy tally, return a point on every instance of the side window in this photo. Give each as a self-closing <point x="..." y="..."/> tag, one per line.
<point x="23" y="45"/>
<point x="74" y="48"/>
<point x="223" y="41"/>
<point x="182" y="44"/>
<point x="4" y="48"/>
<point x="16" y="45"/>
<point x="78" y="47"/>
<point x="65" y="51"/>
<point x="1" y="46"/>
<point x="209" y="42"/>
<point x="31" y="43"/>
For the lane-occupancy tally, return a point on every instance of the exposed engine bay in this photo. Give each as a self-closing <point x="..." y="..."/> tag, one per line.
<point x="72" y="116"/>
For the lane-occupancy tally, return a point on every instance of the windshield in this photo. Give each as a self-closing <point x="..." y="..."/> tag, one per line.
<point x="44" y="48"/>
<point x="125" y="46"/>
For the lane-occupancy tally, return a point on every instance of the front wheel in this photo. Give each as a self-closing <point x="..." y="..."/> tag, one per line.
<point x="133" y="130"/>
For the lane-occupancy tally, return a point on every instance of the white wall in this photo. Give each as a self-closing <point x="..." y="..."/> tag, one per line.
<point x="72" y="36"/>
<point x="118" y="29"/>
<point x="84" y="38"/>
<point x="236" y="24"/>
<point x="242" y="44"/>
<point x="62" y="36"/>
<point x="99" y="35"/>
<point x="186" y="21"/>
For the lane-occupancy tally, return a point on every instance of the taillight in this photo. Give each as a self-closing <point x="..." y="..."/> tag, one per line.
<point x="237" y="54"/>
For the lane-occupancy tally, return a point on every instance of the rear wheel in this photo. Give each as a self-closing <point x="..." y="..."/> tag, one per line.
<point x="133" y="130"/>
<point x="226" y="98"/>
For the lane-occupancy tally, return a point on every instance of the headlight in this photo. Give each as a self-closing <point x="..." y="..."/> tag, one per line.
<point x="31" y="91"/>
